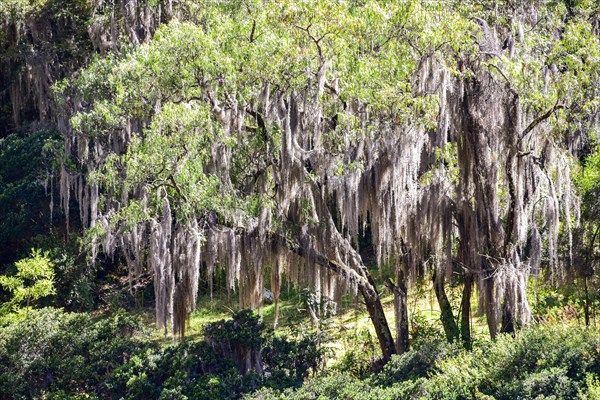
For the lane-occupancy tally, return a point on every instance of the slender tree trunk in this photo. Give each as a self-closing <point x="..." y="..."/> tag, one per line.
<point x="465" y="306"/>
<point x="490" y="306"/>
<point x="447" y="317"/>
<point x="400" y="305"/>
<point x="276" y="321"/>
<point x="586" y="306"/>
<point x="312" y="307"/>
<point x="365" y="286"/>
<point x="508" y="324"/>
<point x="401" y="312"/>
<point x="377" y="315"/>
<point x="379" y="320"/>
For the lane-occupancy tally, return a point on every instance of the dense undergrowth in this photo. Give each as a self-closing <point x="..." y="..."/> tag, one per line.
<point x="53" y="354"/>
<point x="111" y="353"/>
<point x="544" y="362"/>
<point x="57" y="355"/>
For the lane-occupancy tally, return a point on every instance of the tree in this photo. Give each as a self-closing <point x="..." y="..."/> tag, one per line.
<point x="217" y="150"/>
<point x="272" y="135"/>
<point x="33" y="280"/>
<point x="586" y="242"/>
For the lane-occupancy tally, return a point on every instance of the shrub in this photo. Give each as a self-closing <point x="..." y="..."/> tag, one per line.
<point x="544" y="362"/>
<point x="344" y="386"/>
<point x="541" y="361"/>
<point x="361" y="354"/>
<point x="288" y="362"/>
<point x="74" y="275"/>
<point x="26" y="164"/>
<point x="52" y="351"/>
<point x="236" y="357"/>
<point x="419" y="362"/>
<point x="33" y="280"/>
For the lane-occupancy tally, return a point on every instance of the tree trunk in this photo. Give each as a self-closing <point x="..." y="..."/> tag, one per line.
<point x="379" y="320"/>
<point x="465" y="306"/>
<point x="276" y="320"/>
<point x="590" y="256"/>
<point x="447" y="317"/>
<point x="508" y="323"/>
<point x="586" y="305"/>
<point x="400" y="311"/>
<point x="365" y="286"/>
<point x="490" y="306"/>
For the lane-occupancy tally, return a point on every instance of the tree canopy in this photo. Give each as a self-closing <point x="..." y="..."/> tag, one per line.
<point x="313" y="143"/>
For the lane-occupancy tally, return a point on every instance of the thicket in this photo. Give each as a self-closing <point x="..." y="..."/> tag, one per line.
<point x="28" y="194"/>
<point x="545" y="362"/>
<point x="58" y="355"/>
<point x="53" y="354"/>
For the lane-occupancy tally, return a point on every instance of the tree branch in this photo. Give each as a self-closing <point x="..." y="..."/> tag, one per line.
<point x="176" y="187"/>
<point x="296" y="247"/>
<point x="314" y="39"/>
<point x="252" y="31"/>
<point x="539" y="119"/>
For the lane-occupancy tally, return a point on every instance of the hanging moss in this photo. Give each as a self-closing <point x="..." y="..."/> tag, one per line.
<point x="446" y="152"/>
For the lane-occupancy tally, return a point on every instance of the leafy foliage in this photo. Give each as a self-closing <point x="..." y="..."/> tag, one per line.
<point x="76" y="279"/>
<point x="33" y="280"/>
<point x="215" y="367"/>
<point x="544" y="362"/>
<point x="27" y="165"/>
<point x="51" y="350"/>
<point x="53" y="354"/>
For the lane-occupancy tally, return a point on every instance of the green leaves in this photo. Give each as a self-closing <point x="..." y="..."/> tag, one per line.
<point x="588" y="179"/>
<point x="168" y="159"/>
<point x="27" y="167"/>
<point x="33" y="280"/>
<point x="17" y="10"/>
<point x="555" y="61"/>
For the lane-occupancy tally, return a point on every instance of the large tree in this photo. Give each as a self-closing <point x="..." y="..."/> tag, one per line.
<point x="267" y="138"/>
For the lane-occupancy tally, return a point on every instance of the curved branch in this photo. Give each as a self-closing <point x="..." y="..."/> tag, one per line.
<point x="540" y="119"/>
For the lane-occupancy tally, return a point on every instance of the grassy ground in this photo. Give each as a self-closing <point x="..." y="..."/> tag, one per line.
<point x="350" y="324"/>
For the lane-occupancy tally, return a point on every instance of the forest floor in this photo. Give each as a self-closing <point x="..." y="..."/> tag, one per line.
<point x="348" y="327"/>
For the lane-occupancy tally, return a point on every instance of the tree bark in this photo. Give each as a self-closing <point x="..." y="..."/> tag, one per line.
<point x="379" y="320"/>
<point x="490" y="306"/>
<point x="465" y="306"/>
<point x="508" y="324"/>
<point x="447" y="317"/>
<point x="365" y="286"/>
<point x="590" y="256"/>
<point x="401" y="312"/>
<point x="586" y="306"/>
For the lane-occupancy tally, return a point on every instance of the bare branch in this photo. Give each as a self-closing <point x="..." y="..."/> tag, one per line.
<point x="540" y="119"/>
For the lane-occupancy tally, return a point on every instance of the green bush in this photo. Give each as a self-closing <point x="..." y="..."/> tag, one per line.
<point x="51" y="351"/>
<point x="237" y="356"/>
<point x="33" y="280"/>
<point x="288" y="362"/>
<point x="188" y="369"/>
<point x="543" y="362"/>
<point x="74" y="276"/>
<point x="420" y="362"/>
<point x="59" y="355"/>
<point x="344" y="386"/>
<point x="361" y="353"/>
